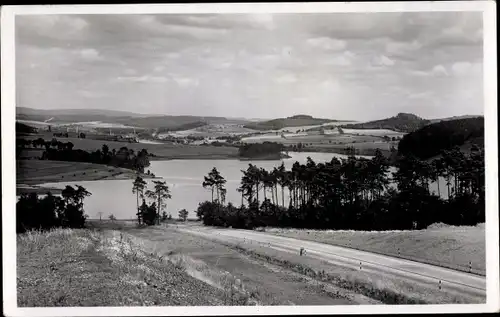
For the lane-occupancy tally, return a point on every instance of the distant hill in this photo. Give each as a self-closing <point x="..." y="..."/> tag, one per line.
<point x="294" y="121"/>
<point x="403" y="122"/>
<point x="122" y="117"/>
<point x="430" y="140"/>
<point x="75" y="112"/>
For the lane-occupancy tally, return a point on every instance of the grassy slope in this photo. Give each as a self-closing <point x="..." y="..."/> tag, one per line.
<point x="44" y="171"/>
<point x="87" y="268"/>
<point x="448" y="246"/>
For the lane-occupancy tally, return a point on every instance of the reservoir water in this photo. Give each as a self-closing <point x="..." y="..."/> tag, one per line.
<point x="184" y="178"/>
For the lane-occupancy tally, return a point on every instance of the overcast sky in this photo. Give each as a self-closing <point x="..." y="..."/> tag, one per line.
<point x="359" y="66"/>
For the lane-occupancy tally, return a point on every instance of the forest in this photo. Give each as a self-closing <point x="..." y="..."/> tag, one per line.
<point x="354" y="193"/>
<point x="430" y="140"/>
<point x="63" y="151"/>
<point x="255" y="150"/>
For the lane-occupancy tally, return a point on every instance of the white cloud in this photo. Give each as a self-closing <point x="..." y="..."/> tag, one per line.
<point x="326" y="43"/>
<point x="421" y="95"/>
<point x="439" y="70"/>
<point x="400" y="48"/>
<point x="142" y="79"/>
<point x="185" y="82"/>
<point x="382" y="61"/>
<point x="90" y="54"/>
<point x="286" y="79"/>
<point x="369" y="65"/>
<point x="461" y="68"/>
<point x="340" y="60"/>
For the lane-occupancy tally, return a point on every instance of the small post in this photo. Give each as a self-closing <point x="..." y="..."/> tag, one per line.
<point x="360" y="265"/>
<point x="470" y="266"/>
<point x="399" y="252"/>
<point x="439" y="284"/>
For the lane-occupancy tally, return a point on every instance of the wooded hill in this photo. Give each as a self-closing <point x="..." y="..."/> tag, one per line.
<point x="403" y="122"/>
<point x="119" y="117"/>
<point x="432" y="139"/>
<point x="280" y="123"/>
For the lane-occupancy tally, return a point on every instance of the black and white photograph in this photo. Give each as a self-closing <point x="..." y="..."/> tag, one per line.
<point x="315" y="158"/>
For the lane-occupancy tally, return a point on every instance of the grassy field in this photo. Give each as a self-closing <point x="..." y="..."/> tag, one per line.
<point x="334" y="143"/>
<point x="87" y="268"/>
<point x="32" y="172"/>
<point x="448" y="246"/>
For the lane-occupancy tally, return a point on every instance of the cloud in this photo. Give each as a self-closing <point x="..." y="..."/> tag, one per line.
<point x="382" y="61"/>
<point x="142" y="79"/>
<point x="421" y="95"/>
<point x="90" y="54"/>
<point x="401" y="48"/>
<point x="345" y="59"/>
<point x="185" y="82"/>
<point x="461" y="68"/>
<point x="439" y="70"/>
<point x="341" y="65"/>
<point x="326" y="43"/>
<point x="286" y="79"/>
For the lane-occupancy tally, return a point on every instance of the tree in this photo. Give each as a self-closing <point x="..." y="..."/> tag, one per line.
<point x="138" y="187"/>
<point x="216" y="182"/>
<point x="183" y="213"/>
<point x="160" y="194"/>
<point x="112" y="217"/>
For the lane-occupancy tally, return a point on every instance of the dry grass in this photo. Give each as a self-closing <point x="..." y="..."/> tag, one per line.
<point x="448" y="246"/>
<point x="87" y="267"/>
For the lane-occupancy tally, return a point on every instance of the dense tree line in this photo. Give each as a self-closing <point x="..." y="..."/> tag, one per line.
<point x="255" y="150"/>
<point x="34" y="213"/>
<point x="354" y="193"/>
<point x="432" y="139"/>
<point x="63" y="151"/>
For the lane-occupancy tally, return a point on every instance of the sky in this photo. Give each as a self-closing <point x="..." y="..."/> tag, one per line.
<point x="352" y="66"/>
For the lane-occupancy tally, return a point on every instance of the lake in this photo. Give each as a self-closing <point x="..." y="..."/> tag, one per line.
<point x="184" y="177"/>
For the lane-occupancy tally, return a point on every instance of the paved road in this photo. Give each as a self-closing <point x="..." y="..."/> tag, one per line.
<point x="419" y="273"/>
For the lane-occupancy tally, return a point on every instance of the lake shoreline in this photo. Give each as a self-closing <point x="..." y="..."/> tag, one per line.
<point x="31" y="174"/>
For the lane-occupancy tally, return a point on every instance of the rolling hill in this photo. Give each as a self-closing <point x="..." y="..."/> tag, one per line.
<point x="294" y="121"/>
<point x="430" y="140"/>
<point x="403" y="122"/>
<point x="120" y="117"/>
